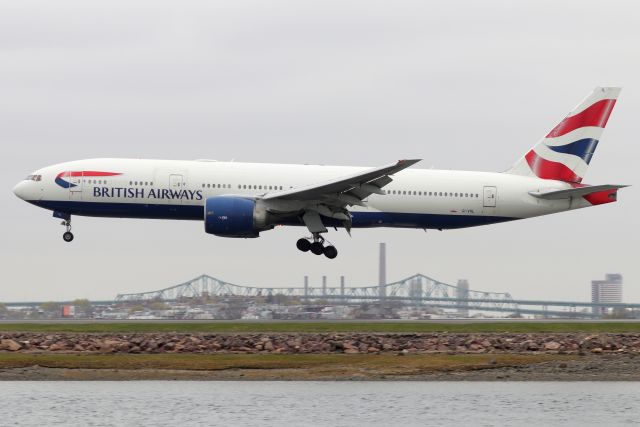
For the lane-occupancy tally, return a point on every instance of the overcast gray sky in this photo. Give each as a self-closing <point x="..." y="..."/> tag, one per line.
<point x="462" y="84"/>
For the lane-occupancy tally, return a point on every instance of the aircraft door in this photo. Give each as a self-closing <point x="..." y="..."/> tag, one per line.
<point x="176" y="184"/>
<point x="75" y="180"/>
<point x="490" y="197"/>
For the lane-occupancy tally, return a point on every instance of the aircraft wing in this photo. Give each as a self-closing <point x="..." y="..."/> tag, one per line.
<point x="350" y="190"/>
<point x="330" y="199"/>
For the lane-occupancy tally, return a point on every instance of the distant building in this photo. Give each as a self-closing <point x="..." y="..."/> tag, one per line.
<point x="605" y="291"/>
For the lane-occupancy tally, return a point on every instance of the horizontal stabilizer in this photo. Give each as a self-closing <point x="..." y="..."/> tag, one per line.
<point x="574" y="192"/>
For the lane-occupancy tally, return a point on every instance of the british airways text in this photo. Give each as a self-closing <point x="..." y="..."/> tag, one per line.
<point x="142" y="193"/>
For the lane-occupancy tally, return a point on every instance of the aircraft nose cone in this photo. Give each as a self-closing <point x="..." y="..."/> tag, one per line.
<point x="20" y="190"/>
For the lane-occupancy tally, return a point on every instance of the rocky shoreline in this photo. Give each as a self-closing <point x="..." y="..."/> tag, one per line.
<point x="321" y="343"/>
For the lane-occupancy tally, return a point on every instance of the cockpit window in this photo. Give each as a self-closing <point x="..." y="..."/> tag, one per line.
<point x="34" y="178"/>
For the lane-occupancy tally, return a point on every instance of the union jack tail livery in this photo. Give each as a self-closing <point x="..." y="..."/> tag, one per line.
<point x="565" y="152"/>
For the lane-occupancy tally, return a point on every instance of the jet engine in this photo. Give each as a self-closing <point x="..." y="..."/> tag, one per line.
<point x="233" y="216"/>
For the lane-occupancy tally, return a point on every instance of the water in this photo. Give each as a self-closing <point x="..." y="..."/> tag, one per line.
<point x="273" y="403"/>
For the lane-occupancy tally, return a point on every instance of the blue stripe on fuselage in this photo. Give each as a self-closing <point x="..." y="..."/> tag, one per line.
<point x="196" y="212"/>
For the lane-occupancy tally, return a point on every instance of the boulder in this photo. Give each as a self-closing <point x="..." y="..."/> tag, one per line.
<point x="9" y="344"/>
<point x="57" y="346"/>
<point x="552" y="345"/>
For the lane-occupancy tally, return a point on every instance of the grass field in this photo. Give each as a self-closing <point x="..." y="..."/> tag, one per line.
<point x="326" y="327"/>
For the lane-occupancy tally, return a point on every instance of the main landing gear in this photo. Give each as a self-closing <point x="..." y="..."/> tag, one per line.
<point x="68" y="235"/>
<point x="317" y="246"/>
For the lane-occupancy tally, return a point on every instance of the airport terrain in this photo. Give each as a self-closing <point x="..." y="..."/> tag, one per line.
<point x="321" y="351"/>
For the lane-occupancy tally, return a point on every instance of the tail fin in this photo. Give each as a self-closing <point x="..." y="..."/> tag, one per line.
<point x="564" y="154"/>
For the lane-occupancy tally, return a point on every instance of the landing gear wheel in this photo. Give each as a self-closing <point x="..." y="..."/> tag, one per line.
<point x="67" y="236"/>
<point x="330" y="252"/>
<point x="317" y="248"/>
<point x="304" y="245"/>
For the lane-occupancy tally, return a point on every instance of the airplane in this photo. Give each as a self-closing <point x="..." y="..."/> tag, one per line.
<point x="242" y="200"/>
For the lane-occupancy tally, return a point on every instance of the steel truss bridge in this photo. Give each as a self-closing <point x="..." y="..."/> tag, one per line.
<point x="418" y="290"/>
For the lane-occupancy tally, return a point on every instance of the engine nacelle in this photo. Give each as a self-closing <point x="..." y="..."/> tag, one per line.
<point x="231" y="216"/>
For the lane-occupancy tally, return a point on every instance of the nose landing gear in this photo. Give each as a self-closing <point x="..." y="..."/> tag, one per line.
<point x="67" y="236"/>
<point x="317" y="246"/>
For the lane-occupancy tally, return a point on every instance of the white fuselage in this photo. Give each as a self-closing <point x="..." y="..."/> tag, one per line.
<point x="174" y="189"/>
